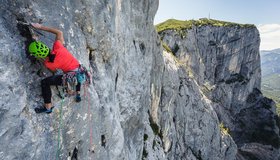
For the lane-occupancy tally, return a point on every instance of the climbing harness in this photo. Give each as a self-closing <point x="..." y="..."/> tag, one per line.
<point x="72" y="78"/>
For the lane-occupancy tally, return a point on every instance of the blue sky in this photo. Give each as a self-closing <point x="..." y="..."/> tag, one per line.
<point x="265" y="14"/>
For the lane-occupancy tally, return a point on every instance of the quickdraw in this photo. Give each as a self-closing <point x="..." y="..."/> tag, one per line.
<point x="69" y="81"/>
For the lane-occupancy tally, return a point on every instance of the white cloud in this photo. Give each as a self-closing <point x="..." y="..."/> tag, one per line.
<point x="270" y="36"/>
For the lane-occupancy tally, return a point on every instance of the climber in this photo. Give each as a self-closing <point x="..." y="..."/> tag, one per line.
<point x="57" y="58"/>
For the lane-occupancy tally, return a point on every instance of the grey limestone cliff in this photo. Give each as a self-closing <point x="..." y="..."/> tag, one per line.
<point x="144" y="103"/>
<point x="224" y="60"/>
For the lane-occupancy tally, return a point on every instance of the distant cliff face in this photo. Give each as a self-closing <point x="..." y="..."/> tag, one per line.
<point x="144" y="103"/>
<point x="224" y="60"/>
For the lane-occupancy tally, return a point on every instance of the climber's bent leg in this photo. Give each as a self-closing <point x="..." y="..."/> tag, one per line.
<point x="46" y="89"/>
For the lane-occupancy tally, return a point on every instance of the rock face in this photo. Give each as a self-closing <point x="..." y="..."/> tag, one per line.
<point x="143" y="103"/>
<point x="118" y="41"/>
<point x="184" y="120"/>
<point x="225" y="62"/>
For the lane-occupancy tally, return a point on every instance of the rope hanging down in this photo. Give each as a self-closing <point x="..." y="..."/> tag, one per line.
<point x="59" y="130"/>
<point x="86" y="95"/>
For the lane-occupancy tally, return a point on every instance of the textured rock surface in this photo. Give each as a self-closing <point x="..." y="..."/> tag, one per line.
<point x="143" y="104"/>
<point x="225" y="61"/>
<point x="119" y="39"/>
<point x="188" y="125"/>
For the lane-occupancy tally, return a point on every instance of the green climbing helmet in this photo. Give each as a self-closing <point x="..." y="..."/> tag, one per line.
<point x="38" y="49"/>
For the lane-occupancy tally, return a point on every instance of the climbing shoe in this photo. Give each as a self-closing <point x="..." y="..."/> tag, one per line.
<point x="43" y="110"/>
<point x="78" y="98"/>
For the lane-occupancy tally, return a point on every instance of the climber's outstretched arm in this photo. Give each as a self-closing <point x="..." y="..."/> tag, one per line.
<point x="58" y="33"/>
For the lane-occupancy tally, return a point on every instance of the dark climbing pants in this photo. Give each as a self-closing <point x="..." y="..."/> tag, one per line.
<point x="50" y="81"/>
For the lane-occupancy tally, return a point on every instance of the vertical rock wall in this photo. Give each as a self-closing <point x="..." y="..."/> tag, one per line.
<point x="117" y="40"/>
<point x="225" y="62"/>
<point x="185" y="124"/>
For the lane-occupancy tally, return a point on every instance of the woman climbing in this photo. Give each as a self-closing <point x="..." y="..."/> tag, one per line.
<point x="57" y="58"/>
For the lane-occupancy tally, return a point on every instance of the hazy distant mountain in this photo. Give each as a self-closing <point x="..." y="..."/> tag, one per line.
<point x="270" y="65"/>
<point x="271" y="51"/>
<point x="270" y="62"/>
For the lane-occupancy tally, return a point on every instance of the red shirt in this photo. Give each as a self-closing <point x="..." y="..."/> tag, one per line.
<point x="63" y="60"/>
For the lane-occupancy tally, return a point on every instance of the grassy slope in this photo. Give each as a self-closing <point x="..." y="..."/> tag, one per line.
<point x="179" y="25"/>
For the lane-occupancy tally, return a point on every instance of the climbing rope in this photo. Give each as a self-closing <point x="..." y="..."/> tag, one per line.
<point x="86" y="97"/>
<point x="59" y="130"/>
